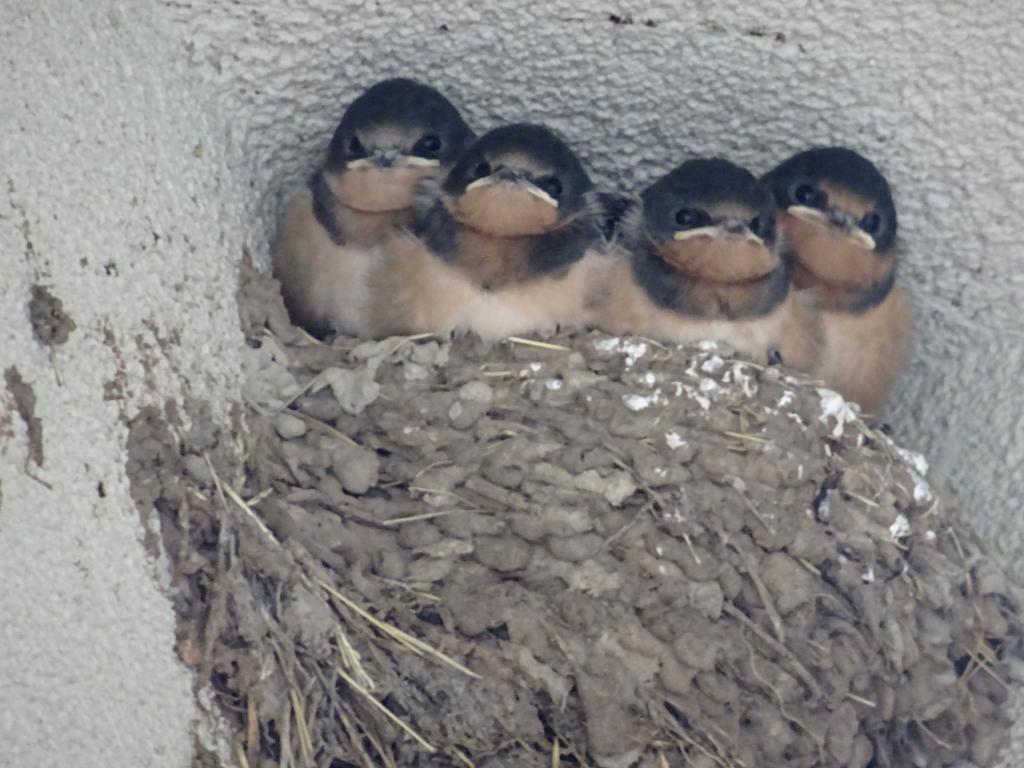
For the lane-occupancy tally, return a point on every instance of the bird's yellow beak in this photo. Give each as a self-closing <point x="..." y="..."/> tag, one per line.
<point x="415" y="161"/>
<point x="526" y="186"/>
<point x="713" y="231"/>
<point x="855" y="234"/>
<point x="862" y="238"/>
<point x="808" y="214"/>
<point x="402" y="161"/>
<point x="540" y="194"/>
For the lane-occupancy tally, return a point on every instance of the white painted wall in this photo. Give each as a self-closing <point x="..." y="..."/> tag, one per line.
<point x="189" y="117"/>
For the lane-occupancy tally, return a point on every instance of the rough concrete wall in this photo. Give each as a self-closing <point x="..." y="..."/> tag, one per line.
<point x="111" y="194"/>
<point x="124" y="125"/>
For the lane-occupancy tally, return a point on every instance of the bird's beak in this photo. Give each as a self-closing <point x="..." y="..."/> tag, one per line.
<point x="484" y="181"/>
<point x="690" y="234"/>
<point x="723" y="231"/>
<point x="393" y="159"/>
<point x="808" y="214"/>
<point x="540" y="194"/>
<point x="507" y="176"/>
<point x="853" y="232"/>
<point x="415" y="161"/>
<point x="861" y="238"/>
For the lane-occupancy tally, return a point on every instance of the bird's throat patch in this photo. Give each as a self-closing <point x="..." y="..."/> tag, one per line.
<point x="378" y="190"/>
<point x="719" y="260"/>
<point x="504" y="210"/>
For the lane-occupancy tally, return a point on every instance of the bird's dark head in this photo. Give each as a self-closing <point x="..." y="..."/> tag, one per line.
<point x="710" y="220"/>
<point x="837" y="215"/>
<point x="518" y="180"/>
<point x="395" y="134"/>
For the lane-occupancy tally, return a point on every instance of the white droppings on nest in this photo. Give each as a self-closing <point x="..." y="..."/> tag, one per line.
<point x="930" y="535"/>
<point x="787" y="399"/>
<point x="799" y="471"/>
<point x="797" y="418"/>
<point x="673" y="440"/>
<point x="532" y="368"/>
<point x="643" y="402"/>
<point x="554" y="384"/>
<point x="710" y="386"/>
<point x="709" y="345"/>
<point x="650" y="379"/>
<point x="914" y="459"/>
<point x="900" y="527"/>
<point x="917" y="466"/>
<point x="660" y="472"/>
<point x="659" y="550"/>
<point x="922" y="490"/>
<point x="633" y="350"/>
<point x="835" y="406"/>
<point x="712" y="364"/>
<point x="739" y="375"/>
<point x="868" y="577"/>
<point x="702" y="400"/>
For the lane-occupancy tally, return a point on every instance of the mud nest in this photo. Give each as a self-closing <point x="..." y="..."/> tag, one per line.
<point x="592" y="551"/>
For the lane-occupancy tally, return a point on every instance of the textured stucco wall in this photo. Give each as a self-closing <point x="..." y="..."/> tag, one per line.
<point x="104" y="200"/>
<point x="159" y="136"/>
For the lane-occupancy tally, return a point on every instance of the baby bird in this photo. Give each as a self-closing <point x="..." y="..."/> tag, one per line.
<point x="838" y="221"/>
<point x="395" y="134"/>
<point x="703" y="262"/>
<point x="510" y="243"/>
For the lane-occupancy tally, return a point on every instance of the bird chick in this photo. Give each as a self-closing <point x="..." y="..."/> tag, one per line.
<point x="701" y="261"/>
<point x="397" y="133"/>
<point x="509" y="244"/>
<point x="838" y="221"/>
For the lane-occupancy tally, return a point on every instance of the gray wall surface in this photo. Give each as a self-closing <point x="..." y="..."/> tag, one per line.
<point x="159" y="137"/>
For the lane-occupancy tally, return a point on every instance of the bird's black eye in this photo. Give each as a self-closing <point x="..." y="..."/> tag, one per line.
<point x="754" y="225"/>
<point x="482" y="169"/>
<point x="355" y="147"/>
<point x="428" y="146"/>
<point x="691" y="218"/>
<point x="871" y="223"/>
<point x="551" y="185"/>
<point x="806" y="194"/>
